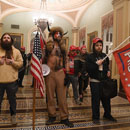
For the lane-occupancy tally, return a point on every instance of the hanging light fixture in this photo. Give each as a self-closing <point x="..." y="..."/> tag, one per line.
<point x="41" y="16"/>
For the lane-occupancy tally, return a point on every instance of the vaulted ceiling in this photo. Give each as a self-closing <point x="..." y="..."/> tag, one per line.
<point x="71" y="10"/>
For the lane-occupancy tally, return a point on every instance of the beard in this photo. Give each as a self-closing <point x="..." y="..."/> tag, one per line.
<point x="6" y="45"/>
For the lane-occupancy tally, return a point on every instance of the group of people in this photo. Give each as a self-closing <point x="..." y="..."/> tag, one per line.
<point x="76" y="67"/>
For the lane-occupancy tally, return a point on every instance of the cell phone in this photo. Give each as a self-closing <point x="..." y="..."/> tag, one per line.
<point x="8" y="57"/>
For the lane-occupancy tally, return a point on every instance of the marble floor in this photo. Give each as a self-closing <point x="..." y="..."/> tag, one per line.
<point x="80" y="115"/>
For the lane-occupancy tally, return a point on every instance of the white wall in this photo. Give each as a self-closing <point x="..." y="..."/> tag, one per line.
<point x="25" y="20"/>
<point x="92" y="17"/>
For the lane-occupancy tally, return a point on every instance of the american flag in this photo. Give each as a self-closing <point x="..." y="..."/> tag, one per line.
<point x="36" y="65"/>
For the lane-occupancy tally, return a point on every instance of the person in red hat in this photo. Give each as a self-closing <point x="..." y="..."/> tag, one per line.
<point x="98" y="70"/>
<point x="83" y="77"/>
<point x="23" y="68"/>
<point x="72" y="72"/>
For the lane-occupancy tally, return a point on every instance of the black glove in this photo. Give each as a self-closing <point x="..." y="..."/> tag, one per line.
<point x="66" y="80"/>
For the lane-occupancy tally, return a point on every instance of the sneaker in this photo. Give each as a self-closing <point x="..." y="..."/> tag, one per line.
<point x="110" y="118"/>
<point x="51" y="120"/>
<point x="77" y="102"/>
<point x="13" y="120"/>
<point x="67" y="123"/>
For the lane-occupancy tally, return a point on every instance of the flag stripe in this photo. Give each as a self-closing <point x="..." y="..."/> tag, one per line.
<point x="36" y="66"/>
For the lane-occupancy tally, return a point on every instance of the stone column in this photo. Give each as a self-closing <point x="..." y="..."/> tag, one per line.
<point x="75" y="36"/>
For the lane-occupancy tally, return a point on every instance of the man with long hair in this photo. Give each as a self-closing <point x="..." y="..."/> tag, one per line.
<point x="10" y="61"/>
<point x="55" y="59"/>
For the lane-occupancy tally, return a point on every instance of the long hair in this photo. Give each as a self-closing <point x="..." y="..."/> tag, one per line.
<point x="9" y="51"/>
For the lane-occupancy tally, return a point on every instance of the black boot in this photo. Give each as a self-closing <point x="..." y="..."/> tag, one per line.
<point x="67" y="123"/>
<point x="110" y="118"/>
<point x="51" y="120"/>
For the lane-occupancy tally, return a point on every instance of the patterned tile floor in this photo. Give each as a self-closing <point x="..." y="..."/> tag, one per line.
<point x="80" y="115"/>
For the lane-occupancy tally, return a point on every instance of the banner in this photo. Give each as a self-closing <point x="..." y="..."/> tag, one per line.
<point x="122" y="58"/>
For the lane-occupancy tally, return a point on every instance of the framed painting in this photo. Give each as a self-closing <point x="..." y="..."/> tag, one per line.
<point x="90" y="39"/>
<point x="66" y="41"/>
<point x="82" y="34"/>
<point x="18" y="39"/>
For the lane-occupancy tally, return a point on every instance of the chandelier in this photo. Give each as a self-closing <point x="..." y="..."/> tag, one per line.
<point x="42" y="15"/>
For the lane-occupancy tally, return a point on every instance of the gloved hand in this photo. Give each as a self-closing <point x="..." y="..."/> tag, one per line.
<point x="66" y="80"/>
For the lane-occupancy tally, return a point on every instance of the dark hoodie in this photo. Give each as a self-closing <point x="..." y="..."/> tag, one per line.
<point x="93" y="68"/>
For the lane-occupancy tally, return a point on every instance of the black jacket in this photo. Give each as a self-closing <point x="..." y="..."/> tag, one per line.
<point x="93" y="68"/>
<point x="83" y="69"/>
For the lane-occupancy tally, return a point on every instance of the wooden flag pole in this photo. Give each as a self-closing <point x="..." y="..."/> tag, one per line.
<point x="34" y="102"/>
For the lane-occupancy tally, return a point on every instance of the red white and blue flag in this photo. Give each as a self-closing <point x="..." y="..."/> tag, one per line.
<point x="36" y="65"/>
<point x="122" y="58"/>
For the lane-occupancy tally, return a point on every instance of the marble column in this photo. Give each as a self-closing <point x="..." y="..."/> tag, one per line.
<point x="75" y="36"/>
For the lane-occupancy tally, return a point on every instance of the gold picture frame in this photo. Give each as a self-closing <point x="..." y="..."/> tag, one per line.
<point x="90" y="37"/>
<point x="18" y="39"/>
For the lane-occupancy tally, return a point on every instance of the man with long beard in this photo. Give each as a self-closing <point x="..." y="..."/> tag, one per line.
<point x="10" y="61"/>
<point x="55" y="59"/>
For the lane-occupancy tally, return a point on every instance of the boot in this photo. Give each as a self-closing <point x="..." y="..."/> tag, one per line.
<point x="67" y="123"/>
<point x="51" y="120"/>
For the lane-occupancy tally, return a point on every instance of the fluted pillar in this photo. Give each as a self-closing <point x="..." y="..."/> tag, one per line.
<point x="75" y="36"/>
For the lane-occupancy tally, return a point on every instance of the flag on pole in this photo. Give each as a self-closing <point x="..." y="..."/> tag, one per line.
<point x="42" y="42"/>
<point x="36" y="65"/>
<point x="122" y="58"/>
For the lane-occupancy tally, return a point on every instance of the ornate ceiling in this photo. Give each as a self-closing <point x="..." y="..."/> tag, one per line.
<point x="51" y="5"/>
<point x="71" y="10"/>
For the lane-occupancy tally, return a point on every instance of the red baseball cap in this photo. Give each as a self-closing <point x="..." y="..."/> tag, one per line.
<point x="72" y="47"/>
<point x="78" y="48"/>
<point x="97" y="39"/>
<point x="22" y="48"/>
<point x="82" y="47"/>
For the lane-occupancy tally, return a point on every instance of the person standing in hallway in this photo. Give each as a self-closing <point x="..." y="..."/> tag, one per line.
<point x="10" y="61"/>
<point x="73" y="71"/>
<point x="23" y="68"/>
<point x="98" y="70"/>
<point x="83" y="77"/>
<point x="55" y="58"/>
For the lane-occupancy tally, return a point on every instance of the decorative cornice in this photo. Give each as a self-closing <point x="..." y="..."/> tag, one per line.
<point x="75" y="29"/>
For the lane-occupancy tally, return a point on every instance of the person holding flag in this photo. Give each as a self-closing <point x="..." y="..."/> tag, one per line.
<point x="55" y="58"/>
<point x="98" y="70"/>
